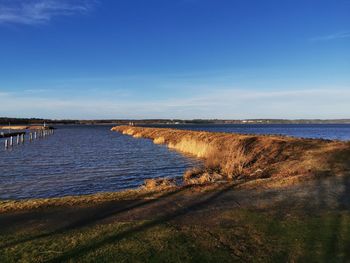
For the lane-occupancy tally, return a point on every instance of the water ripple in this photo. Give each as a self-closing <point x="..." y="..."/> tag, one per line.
<point x="84" y="160"/>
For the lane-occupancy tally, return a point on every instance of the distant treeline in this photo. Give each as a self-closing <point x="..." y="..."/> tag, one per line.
<point x="32" y="121"/>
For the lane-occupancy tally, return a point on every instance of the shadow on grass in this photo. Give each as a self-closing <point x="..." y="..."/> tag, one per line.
<point x="326" y="224"/>
<point x="339" y="242"/>
<point x="100" y="214"/>
<point x="337" y="246"/>
<point x="332" y="233"/>
<point x="96" y="244"/>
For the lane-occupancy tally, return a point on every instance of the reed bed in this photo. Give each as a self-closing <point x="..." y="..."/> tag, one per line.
<point x="238" y="156"/>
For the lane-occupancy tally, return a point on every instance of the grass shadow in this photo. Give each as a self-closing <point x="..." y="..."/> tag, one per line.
<point x="95" y="244"/>
<point x="100" y="214"/>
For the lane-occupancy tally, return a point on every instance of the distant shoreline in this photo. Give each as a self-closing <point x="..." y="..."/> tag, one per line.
<point x="6" y="121"/>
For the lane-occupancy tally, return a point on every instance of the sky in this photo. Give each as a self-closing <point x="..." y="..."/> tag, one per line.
<point x="187" y="59"/>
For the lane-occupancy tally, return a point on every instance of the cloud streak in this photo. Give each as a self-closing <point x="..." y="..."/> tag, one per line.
<point x="338" y="35"/>
<point x="218" y="103"/>
<point x="31" y="12"/>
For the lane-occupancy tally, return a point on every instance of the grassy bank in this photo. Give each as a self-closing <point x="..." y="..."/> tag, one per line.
<point x="217" y="223"/>
<point x="253" y="156"/>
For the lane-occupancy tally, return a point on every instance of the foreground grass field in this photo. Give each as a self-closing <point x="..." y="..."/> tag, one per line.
<point x="219" y="223"/>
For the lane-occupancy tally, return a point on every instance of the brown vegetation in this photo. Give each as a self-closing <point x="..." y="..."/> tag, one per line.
<point x="13" y="127"/>
<point x="236" y="156"/>
<point x="18" y="127"/>
<point x="158" y="184"/>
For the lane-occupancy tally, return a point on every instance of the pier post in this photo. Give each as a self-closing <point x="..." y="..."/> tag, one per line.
<point x="11" y="141"/>
<point x="22" y="138"/>
<point x="17" y="139"/>
<point x="30" y="136"/>
<point x="35" y="135"/>
<point x="6" y="144"/>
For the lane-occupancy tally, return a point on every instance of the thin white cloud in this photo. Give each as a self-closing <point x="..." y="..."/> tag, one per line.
<point x="338" y="35"/>
<point x="40" y="11"/>
<point x="218" y="103"/>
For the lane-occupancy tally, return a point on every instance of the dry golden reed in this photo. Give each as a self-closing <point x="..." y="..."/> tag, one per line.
<point x="251" y="156"/>
<point x="159" y="140"/>
<point x="137" y="135"/>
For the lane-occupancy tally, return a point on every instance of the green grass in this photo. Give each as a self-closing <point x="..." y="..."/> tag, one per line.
<point x="231" y="235"/>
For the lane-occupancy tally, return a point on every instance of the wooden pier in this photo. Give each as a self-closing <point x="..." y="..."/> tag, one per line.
<point x="18" y="138"/>
<point x="11" y="134"/>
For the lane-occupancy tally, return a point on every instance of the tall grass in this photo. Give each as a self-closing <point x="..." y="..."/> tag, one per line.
<point x="194" y="147"/>
<point x="159" y="140"/>
<point x="251" y="156"/>
<point x="235" y="162"/>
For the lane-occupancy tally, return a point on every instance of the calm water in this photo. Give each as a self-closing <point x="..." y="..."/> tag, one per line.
<point x="84" y="160"/>
<point x="325" y="131"/>
<point x="90" y="159"/>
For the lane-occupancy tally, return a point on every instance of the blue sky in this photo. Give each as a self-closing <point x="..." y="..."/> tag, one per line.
<point x="95" y="59"/>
